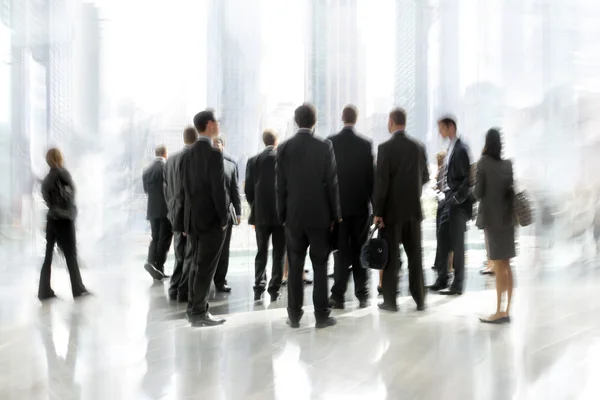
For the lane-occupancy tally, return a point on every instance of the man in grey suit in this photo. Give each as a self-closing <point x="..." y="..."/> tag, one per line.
<point x="401" y="173"/>
<point x="308" y="203"/>
<point x="178" y="289"/>
<point x="235" y="214"/>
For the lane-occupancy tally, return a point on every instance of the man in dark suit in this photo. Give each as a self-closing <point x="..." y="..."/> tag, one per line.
<point x="401" y="173"/>
<point x="456" y="209"/>
<point x="202" y="213"/>
<point x="235" y="214"/>
<point x="260" y="193"/>
<point x="156" y="213"/>
<point x="354" y="159"/>
<point x="308" y="203"/>
<point x="178" y="289"/>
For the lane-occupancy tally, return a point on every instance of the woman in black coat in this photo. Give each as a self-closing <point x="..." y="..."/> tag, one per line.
<point x="58" y="192"/>
<point x="494" y="189"/>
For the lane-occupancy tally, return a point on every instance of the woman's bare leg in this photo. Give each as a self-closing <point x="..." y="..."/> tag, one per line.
<point x="509" y="286"/>
<point x="285" y="269"/>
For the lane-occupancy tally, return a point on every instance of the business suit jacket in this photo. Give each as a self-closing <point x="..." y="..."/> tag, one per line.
<point x="260" y="188"/>
<point x="172" y="181"/>
<point x="401" y="173"/>
<point x="307" y="184"/>
<point x="233" y="190"/>
<point x="494" y="189"/>
<point x="459" y="178"/>
<point x="152" y="179"/>
<point x="202" y="203"/>
<point x="354" y="159"/>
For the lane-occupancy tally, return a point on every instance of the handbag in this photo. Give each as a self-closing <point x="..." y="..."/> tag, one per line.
<point x="522" y="208"/>
<point x="374" y="253"/>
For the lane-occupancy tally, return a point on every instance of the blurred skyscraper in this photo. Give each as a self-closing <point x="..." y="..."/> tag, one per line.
<point x="233" y="74"/>
<point x="410" y="78"/>
<point x="335" y="63"/>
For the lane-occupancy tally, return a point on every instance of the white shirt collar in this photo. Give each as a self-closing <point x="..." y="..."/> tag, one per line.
<point x="305" y="130"/>
<point x="162" y="159"/>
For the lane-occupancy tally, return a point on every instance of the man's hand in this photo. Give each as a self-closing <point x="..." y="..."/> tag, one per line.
<point x="224" y="228"/>
<point x="184" y="234"/>
<point x="379" y="222"/>
<point x="239" y="220"/>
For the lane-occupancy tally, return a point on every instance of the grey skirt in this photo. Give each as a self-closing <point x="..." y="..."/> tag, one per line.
<point x="501" y="242"/>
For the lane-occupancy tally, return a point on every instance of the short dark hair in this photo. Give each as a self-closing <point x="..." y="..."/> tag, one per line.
<point x="493" y="144"/>
<point x="202" y="119"/>
<point x="398" y="115"/>
<point x="190" y="134"/>
<point x="349" y="114"/>
<point x="306" y="116"/>
<point x="220" y="139"/>
<point x="160" y="150"/>
<point x="269" y="137"/>
<point x="448" y="121"/>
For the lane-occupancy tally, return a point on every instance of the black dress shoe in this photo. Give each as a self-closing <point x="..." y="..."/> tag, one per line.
<point x="387" y="307"/>
<point x="205" y="320"/>
<point x="224" y="289"/>
<point x="308" y="281"/>
<point x="338" y="305"/>
<point x="258" y="295"/>
<point x="436" y="288"/>
<point x="173" y="296"/>
<point x="486" y="271"/>
<point x="48" y="296"/>
<point x="363" y="303"/>
<point x="85" y="293"/>
<point x="421" y="307"/>
<point x="326" y="323"/>
<point x="450" y="292"/>
<point x="182" y="298"/>
<point x="293" y="324"/>
<point x="274" y="297"/>
<point x="154" y="273"/>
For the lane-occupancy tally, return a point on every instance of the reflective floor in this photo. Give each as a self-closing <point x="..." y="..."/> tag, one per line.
<point x="130" y="342"/>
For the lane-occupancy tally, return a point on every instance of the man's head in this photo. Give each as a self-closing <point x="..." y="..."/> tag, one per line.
<point x="190" y="135"/>
<point x="349" y="115"/>
<point x="161" y="151"/>
<point x="447" y="127"/>
<point x="206" y="123"/>
<point x="219" y="143"/>
<point x="397" y="120"/>
<point x="306" y="116"/>
<point x="270" y="137"/>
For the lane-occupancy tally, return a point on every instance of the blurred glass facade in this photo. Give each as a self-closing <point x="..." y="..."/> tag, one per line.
<point x="106" y="81"/>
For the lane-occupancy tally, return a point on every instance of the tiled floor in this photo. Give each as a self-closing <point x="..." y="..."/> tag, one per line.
<point x="129" y="342"/>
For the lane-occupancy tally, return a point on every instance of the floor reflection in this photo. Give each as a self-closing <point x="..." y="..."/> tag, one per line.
<point x="130" y="342"/>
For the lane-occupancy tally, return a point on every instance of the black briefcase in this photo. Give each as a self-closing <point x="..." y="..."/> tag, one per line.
<point x="374" y="253"/>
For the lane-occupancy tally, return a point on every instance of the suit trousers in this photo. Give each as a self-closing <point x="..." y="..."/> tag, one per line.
<point x="223" y="267"/>
<point x="408" y="234"/>
<point x="297" y="242"/>
<point x="183" y="259"/>
<point x="438" y="258"/>
<point x="353" y="232"/>
<point x="206" y="250"/>
<point x="451" y="237"/>
<point x="162" y="234"/>
<point x="277" y="236"/>
<point x="61" y="232"/>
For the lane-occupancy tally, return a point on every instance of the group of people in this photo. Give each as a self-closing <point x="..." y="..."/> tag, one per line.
<point x="313" y="195"/>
